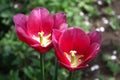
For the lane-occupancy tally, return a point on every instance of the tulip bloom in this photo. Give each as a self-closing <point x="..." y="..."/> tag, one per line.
<point x="36" y="29"/>
<point x="74" y="48"/>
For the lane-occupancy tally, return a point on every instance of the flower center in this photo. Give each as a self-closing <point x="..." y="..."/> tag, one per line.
<point x="74" y="59"/>
<point x="42" y="39"/>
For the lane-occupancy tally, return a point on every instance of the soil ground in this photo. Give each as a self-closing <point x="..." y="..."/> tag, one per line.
<point x="110" y="42"/>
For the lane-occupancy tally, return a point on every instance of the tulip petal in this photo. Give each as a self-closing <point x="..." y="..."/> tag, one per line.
<point x="20" y="21"/>
<point x="74" y="39"/>
<point x="39" y="20"/>
<point x="59" y="19"/>
<point x="82" y="66"/>
<point x="95" y="37"/>
<point x="73" y="69"/>
<point x="56" y="35"/>
<point x="63" y="27"/>
<point x="60" y="54"/>
<point x="41" y="49"/>
<point x="91" y="52"/>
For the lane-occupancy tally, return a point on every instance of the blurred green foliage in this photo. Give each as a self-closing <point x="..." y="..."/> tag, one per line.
<point x="20" y="62"/>
<point x="115" y="23"/>
<point x="112" y="64"/>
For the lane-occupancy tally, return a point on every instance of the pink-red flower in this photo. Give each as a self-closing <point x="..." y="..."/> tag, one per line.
<point x="74" y="48"/>
<point x="36" y="29"/>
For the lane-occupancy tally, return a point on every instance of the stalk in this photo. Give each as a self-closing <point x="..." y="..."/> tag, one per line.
<point x="42" y="66"/>
<point x="56" y="70"/>
<point x="70" y="76"/>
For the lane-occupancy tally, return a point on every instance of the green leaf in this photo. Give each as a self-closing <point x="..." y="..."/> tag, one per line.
<point x="114" y="23"/>
<point x="114" y="67"/>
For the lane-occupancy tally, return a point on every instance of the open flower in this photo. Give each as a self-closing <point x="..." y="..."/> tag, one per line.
<point x="74" y="48"/>
<point x="36" y="29"/>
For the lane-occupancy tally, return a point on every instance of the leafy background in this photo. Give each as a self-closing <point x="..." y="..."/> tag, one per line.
<point x="20" y="62"/>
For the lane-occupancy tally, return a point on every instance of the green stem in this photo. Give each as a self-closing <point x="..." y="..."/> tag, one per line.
<point x="70" y="75"/>
<point x="56" y="70"/>
<point x="42" y="66"/>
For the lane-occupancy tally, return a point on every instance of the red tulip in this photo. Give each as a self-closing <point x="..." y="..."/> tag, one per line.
<point x="74" y="48"/>
<point x="36" y="29"/>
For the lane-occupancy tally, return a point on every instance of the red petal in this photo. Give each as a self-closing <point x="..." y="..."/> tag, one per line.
<point x="95" y="37"/>
<point x="91" y="52"/>
<point x="42" y="49"/>
<point x="20" y="21"/>
<point x="74" y="39"/>
<point x="81" y="66"/>
<point x="56" y="35"/>
<point x="63" y="27"/>
<point x="40" y="20"/>
<point x="59" y="19"/>
<point x="59" y="53"/>
<point x="73" y="69"/>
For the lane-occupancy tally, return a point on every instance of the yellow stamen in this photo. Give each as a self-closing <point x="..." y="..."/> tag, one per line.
<point x="74" y="58"/>
<point x="48" y="36"/>
<point x="44" y="40"/>
<point x="68" y="56"/>
<point x="80" y="56"/>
